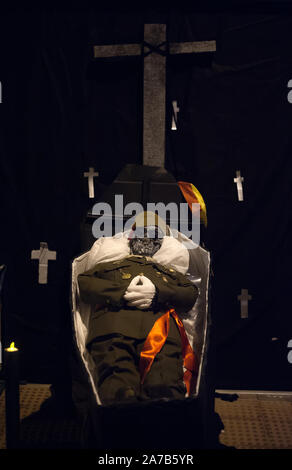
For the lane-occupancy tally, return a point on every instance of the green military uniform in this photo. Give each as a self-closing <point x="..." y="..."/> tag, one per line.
<point x="116" y="332"/>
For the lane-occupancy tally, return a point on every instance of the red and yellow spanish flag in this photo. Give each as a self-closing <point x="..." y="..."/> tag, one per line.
<point x="192" y="195"/>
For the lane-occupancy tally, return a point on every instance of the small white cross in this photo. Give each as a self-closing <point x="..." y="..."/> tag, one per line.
<point x="90" y="175"/>
<point x="174" y="115"/>
<point x="244" y="298"/>
<point x="238" y="180"/>
<point x="43" y="255"/>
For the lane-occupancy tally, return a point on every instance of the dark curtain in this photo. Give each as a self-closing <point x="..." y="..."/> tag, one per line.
<point x="236" y="116"/>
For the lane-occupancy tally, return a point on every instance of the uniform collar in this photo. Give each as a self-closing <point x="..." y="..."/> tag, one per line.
<point x="141" y="259"/>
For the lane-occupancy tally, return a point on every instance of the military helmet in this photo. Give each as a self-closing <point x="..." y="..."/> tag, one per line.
<point x="150" y="224"/>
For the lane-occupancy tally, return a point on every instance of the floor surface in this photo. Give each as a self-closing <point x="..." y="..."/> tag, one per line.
<point x="252" y="420"/>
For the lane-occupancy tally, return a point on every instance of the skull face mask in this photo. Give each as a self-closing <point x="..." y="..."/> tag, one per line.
<point x="147" y="241"/>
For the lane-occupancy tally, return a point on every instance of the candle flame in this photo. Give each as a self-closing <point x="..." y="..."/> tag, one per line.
<point x="12" y="347"/>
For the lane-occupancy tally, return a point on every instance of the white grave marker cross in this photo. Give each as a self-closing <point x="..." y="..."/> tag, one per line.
<point x="238" y="180"/>
<point x="43" y="255"/>
<point x="244" y="298"/>
<point x="90" y="175"/>
<point x="175" y="111"/>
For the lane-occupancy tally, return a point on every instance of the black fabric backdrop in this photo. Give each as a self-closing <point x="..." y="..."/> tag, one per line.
<point x="62" y="112"/>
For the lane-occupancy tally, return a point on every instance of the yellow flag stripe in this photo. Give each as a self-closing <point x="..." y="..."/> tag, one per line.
<point x="201" y="202"/>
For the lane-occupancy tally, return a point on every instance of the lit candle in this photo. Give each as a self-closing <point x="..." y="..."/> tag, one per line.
<point x="11" y="365"/>
<point x="11" y="348"/>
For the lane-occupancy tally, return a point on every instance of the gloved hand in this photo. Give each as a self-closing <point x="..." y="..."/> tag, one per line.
<point x="140" y="292"/>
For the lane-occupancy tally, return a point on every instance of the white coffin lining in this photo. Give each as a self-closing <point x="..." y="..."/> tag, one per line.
<point x="199" y="257"/>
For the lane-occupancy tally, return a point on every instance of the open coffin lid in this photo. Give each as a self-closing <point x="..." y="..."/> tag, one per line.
<point x="195" y="321"/>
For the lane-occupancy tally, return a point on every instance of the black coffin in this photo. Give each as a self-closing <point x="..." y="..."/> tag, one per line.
<point x="190" y="423"/>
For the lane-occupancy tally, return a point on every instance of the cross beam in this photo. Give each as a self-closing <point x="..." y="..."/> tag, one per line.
<point x="154" y="49"/>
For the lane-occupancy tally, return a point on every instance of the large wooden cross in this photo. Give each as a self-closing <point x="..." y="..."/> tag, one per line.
<point x="154" y="50"/>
